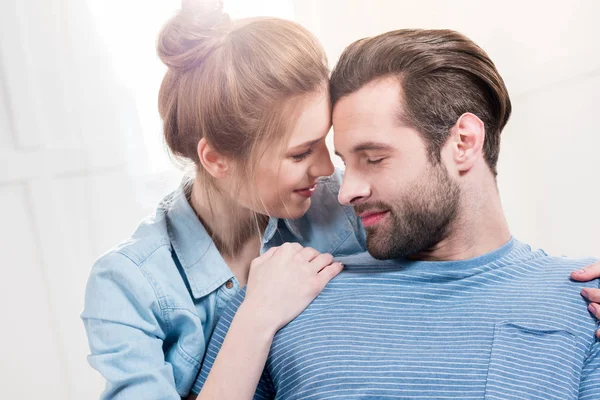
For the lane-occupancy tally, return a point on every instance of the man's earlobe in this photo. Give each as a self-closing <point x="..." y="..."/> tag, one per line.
<point x="216" y="164"/>
<point x="470" y="136"/>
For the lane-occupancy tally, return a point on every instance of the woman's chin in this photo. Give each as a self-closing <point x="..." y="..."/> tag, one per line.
<point x="298" y="210"/>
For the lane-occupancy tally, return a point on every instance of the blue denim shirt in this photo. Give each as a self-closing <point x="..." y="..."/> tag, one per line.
<point x="152" y="302"/>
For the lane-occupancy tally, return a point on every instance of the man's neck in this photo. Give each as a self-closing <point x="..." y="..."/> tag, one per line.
<point x="480" y="228"/>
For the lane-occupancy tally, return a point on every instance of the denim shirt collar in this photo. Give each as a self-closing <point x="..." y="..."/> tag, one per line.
<point x="201" y="261"/>
<point x="272" y="226"/>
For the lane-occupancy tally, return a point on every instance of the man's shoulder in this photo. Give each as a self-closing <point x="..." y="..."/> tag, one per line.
<point x="524" y="255"/>
<point x="567" y="262"/>
<point x="544" y="262"/>
<point x="544" y="273"/>
<point x="363" y="259"/>
<point x="561" y="267"/>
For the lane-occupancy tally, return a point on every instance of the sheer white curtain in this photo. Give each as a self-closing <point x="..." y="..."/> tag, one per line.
<point x="67" y="134"/>
<point x="81" y="162"/>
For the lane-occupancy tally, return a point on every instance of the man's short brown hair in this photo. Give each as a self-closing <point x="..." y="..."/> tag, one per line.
<point x="443" y="75"/>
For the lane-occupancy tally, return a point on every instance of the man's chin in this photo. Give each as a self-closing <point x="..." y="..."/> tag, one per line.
<point x="380" y="253"/>
<point x="383" y="244"/>
<point x="378" y="244"/>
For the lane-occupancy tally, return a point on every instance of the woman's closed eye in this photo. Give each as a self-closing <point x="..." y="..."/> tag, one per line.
<point x="303" y="156"/>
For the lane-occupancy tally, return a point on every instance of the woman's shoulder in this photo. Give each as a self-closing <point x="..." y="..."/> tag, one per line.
<point x="127" y="266"/>
<point x="149" y="236"/>
<point x="166" y="259"/>
<point x="124" y="267"/>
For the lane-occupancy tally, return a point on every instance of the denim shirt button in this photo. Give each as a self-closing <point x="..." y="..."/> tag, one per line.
<point x="229" y="284"/>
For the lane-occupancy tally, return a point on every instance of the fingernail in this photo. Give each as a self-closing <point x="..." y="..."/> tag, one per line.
<point x="592" y="308"/>
<point x="579" y="272"/>
<point x="585" y="293"/>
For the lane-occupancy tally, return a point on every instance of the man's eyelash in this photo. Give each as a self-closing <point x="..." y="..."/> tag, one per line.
<point x="376" y="161"/>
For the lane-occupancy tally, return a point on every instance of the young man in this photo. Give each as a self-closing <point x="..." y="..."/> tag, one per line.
<point x="460" y="309"/>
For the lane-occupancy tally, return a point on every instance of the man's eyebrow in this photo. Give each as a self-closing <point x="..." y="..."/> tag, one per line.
<point x="365" y="146"/>
<point x="371" y="146"/>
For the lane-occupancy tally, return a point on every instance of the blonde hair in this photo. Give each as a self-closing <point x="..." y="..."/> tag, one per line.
<point x="234" y="83"/>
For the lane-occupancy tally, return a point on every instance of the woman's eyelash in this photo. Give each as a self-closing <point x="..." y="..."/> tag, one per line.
<point x="303" y="156"/>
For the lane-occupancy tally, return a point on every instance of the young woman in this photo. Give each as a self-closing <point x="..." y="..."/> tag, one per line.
<point x="246" y="103"/>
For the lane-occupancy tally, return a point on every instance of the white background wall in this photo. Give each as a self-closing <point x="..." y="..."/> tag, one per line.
<point x="81" y="160"/>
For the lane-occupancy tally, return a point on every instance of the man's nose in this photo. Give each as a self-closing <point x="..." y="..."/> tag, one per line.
<point x="354" y="189"/>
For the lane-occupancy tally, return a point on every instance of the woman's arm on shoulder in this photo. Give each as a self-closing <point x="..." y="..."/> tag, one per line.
<point x="281" y="284"/>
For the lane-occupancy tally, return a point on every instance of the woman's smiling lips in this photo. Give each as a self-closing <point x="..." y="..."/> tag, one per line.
<point x="371" y="218"/>
<point x="306" y="192"/>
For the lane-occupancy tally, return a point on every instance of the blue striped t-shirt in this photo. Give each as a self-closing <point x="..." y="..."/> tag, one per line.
<point x="507" y="325"/>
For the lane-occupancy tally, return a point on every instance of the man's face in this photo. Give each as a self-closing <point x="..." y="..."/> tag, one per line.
<point x="406" y="201"/>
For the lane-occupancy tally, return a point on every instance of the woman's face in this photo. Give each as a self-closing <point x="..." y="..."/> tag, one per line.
<point x="286" y="179"/>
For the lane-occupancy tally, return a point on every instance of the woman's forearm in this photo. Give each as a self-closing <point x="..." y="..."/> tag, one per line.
<point x="241" y="359"/>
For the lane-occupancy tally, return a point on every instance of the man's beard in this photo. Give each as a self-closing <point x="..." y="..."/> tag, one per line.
<point x="418" y="220"/>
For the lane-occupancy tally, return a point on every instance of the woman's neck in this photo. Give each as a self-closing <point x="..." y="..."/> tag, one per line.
<point x="235" y="230"/>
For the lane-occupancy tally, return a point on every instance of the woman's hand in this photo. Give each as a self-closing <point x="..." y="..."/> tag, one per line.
<point x="593" y="295"/>
<point x="281" y="283"/>
<point x="284" y="281"/>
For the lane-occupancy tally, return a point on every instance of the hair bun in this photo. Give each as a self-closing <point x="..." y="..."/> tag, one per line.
<point x="199" y="7"/>
<point x="193" y="33"/>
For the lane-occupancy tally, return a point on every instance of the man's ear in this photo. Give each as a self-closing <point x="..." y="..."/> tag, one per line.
<point x="469" y="135"/>
<point x="214" y="162"/>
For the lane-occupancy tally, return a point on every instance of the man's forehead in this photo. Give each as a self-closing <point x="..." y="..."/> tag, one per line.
<point x="362" y="126"/>
<point x="368" y="107"/>
<point x="373" y="94"/>
<point x="353" y="118"/>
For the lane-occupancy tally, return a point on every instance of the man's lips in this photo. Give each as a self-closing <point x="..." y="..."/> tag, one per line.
<point x="306" y="192"/>
<point x="372" y="217"/>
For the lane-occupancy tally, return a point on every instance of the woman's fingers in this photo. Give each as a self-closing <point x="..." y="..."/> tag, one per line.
<point x="328" y="273"/>
<point x="591" y="294"/>
<point x="282" y="252"/>
<point x="308" y="254"/>
<point x="263" y="257"/>
<point x="587" y="274"/>
<point x="321" y="261"/>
